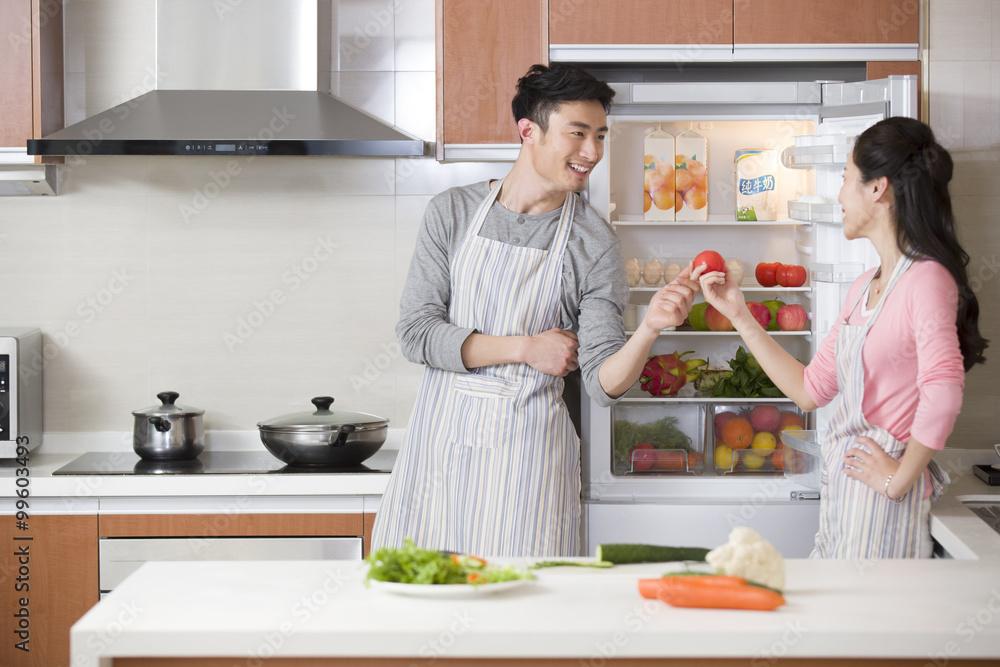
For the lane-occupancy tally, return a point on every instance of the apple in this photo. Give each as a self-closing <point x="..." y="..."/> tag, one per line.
<point x="773" y="305"/>
<point x="760" y="312"/>
<point x="766" y="273"/>
<point x="765" y="418"/>
<point x="697" y="316"/>
<point x="792" y="317"/>
<point x="720" y="420"/>
<point x="791" y="275"/>
<point x="642" y="456"/>
<point x="712" y="260"/>
<point x="716" y="321"/>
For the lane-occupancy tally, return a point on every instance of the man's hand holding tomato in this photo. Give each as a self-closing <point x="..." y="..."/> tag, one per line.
<point x="671" y="304"/>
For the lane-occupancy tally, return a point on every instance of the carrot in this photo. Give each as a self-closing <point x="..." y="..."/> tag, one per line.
<point x="650" y="588"/>
<point x="722" y="596"/>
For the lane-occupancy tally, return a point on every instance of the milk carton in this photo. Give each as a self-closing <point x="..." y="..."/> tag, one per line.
<point x="658" y="176"/>
<point x="756" y="184"/>
<point x="691" y="177"/>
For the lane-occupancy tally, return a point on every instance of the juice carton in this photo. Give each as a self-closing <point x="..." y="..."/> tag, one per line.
<point x="691" y="177"/>
<point x="658" y="176"/>
<point x="756" y="184"/>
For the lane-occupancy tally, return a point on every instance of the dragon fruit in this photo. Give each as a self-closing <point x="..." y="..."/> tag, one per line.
<point x="665" y="374"/>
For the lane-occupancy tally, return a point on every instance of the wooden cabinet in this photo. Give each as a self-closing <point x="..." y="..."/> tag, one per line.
<point x="483" y="48"/>
<point x="49" y="579"/>
<point x="239" y="525"/>
<point x="640" y="22"/>
<point x="31" y="81"/>
<point x="824" y="22"/>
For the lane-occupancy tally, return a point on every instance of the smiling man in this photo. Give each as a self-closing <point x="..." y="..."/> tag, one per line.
<point x="514" y="284"/>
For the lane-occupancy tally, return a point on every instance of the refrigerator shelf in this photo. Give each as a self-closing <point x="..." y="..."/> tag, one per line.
<point x="721" y="221"/>
<point x="746" y="287"/>
<point x="830" y="213"/>
<point x="696" y="332"/>
<point x="810" y="157"/>
<point x="701" y="400"/>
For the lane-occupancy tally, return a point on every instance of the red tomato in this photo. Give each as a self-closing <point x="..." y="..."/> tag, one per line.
<point x="766" y="273"/>
<point x="712" y="260"/>
<point x="642" y="456"/>
<point x="791" y="275"/>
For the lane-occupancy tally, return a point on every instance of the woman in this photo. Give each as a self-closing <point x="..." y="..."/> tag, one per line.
<point x="896" y="354"/>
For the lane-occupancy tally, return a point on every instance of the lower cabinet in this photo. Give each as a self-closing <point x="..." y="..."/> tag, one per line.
<point x="48" y="574"/>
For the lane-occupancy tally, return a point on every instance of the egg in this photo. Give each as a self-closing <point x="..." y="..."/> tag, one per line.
<point x="633" y="272"/>
<point x="652" y="272"/>
<point x="670" y="272"/>
<point x="734" y="268"/>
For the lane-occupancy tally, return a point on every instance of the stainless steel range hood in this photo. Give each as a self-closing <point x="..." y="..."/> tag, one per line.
<point x="246" y="78"/>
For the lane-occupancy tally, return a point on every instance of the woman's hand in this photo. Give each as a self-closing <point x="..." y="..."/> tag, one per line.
<point x="722" y="292"/>
<point x="671" y="304"/>
<point x="870" y="465"/>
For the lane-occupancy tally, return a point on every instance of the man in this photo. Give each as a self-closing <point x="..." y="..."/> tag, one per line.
<point x="502" y="275"/>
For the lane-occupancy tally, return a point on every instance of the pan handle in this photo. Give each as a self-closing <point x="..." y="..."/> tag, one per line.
<point x="345" y="431"/>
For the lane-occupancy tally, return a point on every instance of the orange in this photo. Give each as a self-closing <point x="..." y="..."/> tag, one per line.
<point x="682" y="180"/>
<point x="778" y="459"/>
<point x="791" y="418"/>
<point x="678" y="200"/>
<point x="737" y="433"/>
<point x="695" y="198"/>
<point x="647" y="201"/>
<point x="663" y="198"/>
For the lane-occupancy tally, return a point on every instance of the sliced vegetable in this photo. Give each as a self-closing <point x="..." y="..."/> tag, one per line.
<point x="572" y="563"/>
<point x="692" y="593"/>
<point x="410" y="564"/>
<point x="648" y="553"/>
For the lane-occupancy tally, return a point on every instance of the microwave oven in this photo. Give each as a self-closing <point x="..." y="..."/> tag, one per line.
<point x="21" y="364"/>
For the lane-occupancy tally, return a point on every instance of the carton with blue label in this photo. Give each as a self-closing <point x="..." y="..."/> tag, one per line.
<point x="756" y="184"/>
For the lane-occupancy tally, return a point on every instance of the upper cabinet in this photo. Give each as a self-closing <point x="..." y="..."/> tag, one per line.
<point x="640" y="30"/>
<point x="31" y="82"/>
<point x="483" y="48"/>
<point x="858" y="30"/>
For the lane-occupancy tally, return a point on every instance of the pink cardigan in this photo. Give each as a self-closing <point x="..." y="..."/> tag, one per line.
<point x="914" y="375"/>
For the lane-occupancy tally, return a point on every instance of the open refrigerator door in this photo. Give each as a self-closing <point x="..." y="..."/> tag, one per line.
<point x="681" y="453"/>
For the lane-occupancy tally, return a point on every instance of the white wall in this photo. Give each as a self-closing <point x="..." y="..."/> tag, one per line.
<point x="248" y="292"/>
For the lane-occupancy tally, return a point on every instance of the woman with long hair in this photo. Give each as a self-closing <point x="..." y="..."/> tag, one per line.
<point x="897" y="354"/>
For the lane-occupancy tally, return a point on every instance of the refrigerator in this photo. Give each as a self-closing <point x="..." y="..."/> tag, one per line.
<point x="693" y="489"/>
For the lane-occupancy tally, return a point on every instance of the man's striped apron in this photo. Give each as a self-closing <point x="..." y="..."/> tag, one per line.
<point x="855" y="520"/>
<point x="490" y="464"/>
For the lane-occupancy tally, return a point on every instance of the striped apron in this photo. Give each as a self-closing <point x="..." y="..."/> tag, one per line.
<point x="490" y="464"/>
<point x="855" y="520"/>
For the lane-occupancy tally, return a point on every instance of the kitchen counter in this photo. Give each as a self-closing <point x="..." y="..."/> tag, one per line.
<point x="959" y="531"/>
<point x="862" y="610"/>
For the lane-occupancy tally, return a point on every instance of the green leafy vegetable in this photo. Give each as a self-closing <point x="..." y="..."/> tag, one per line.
<point x="662" y="434"/>
<point x="747" y="381"/>
<point x="410" y="564"/>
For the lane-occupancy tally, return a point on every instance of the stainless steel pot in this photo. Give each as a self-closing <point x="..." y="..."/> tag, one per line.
<point x="168" y="432"/>
<point x="324" y="438"/>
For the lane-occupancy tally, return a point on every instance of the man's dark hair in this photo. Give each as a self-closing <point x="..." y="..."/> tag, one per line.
<point x="543" y="89"/>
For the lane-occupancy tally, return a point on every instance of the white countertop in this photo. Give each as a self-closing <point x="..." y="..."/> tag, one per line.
<point x="850" y="609"/>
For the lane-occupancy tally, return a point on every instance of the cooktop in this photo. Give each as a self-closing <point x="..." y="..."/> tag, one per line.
<point x="214" y="463"/>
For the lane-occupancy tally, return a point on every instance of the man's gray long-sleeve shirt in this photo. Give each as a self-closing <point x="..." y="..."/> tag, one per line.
<point x="594" y="285"/>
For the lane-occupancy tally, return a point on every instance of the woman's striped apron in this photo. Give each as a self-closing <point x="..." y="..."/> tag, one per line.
<point x="855" y="520"/>
<point x="491" y="461"/>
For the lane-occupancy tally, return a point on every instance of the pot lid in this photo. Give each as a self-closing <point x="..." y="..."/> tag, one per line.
<point x="167" y="407"/>
<point x="323" y="419"/>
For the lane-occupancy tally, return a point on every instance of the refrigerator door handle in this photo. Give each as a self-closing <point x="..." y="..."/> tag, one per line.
<point x="805" y="495"/>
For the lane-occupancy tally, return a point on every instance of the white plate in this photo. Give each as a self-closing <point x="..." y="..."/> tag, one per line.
<point x="447" y="590"/>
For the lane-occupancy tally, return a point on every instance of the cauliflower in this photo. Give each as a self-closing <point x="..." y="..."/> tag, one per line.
<point x="750" y="556"/>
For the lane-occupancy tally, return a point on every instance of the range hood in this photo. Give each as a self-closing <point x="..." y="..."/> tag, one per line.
<point x="247" y="78"/>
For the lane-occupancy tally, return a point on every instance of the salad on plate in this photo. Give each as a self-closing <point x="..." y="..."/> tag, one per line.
<point x="410" y="564"/>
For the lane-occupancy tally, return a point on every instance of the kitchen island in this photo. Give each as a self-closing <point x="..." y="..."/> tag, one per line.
<point x="295" y="613"/>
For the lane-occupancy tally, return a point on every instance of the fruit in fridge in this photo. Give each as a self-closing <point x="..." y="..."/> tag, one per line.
<point x="792" y="317"/>
<point x="712" y="260"/>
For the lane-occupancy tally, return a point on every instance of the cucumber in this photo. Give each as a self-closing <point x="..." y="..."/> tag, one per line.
<point x="648" y="553"/>
<point x="571" y="563"/>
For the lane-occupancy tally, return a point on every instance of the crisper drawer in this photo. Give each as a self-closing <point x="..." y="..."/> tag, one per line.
<point x="120" y="557"/>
